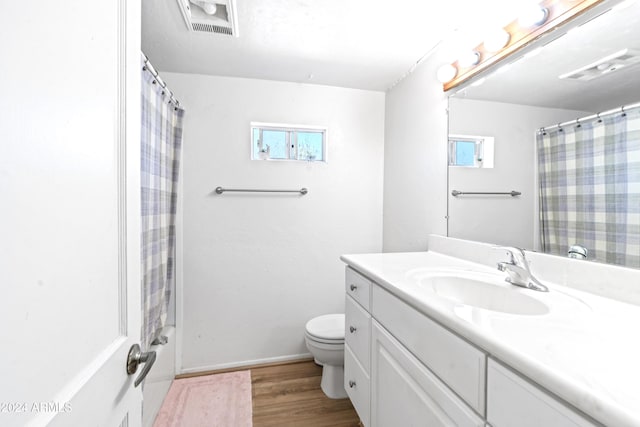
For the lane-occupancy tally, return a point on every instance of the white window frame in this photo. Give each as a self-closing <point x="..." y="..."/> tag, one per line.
<point x="484" y="151"/>
<point x="292" y="139"/>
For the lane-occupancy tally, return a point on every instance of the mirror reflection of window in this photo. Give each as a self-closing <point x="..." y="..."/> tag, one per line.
<point x="471" y="151"/>
<point x="465" y="153"/>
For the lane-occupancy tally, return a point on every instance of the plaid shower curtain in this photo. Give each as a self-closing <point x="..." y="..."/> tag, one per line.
<point x="590" y="188"/>
<point x="161" y="140"/>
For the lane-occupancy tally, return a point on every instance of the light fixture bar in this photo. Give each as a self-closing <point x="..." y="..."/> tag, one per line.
<point x="557" y="13"/>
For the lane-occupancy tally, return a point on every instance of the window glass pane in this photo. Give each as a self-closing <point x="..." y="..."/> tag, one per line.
<point x="310" y="145"/>
<point x="276" y="142"/>
<point x="465" y="152"/>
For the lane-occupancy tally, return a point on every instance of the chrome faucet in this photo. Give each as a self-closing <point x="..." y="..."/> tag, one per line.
<point x="577" y="252"/>
<point x="517" y="268"/>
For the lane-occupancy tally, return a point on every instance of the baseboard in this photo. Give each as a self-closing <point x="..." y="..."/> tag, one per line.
<point x="247" y="364"/>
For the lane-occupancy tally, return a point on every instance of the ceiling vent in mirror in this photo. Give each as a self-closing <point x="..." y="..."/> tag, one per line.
<point x="210" y="16"/>
<point x="603" y="66"/>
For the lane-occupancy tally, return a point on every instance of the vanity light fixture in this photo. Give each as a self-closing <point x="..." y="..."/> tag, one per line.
<point x="496" y="40"/>
<point x="537" y="19"/>
<point x="446" y="73"/>
<point x="533" y="15"/>
<point x="469" y="59"/>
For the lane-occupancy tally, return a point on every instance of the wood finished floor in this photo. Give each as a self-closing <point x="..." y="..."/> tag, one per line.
<point x="290" y="395"/>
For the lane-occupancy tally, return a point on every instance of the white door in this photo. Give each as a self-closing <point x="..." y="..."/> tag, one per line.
<point x="69" y="194"/>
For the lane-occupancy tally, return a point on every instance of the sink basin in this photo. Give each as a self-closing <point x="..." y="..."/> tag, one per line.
<point x="480" y="290"/>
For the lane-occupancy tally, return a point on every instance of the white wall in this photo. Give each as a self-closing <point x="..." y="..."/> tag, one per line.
<point x="257" y="267"/>
<point x="415" y="167"/>
<point x="499" y="219"/>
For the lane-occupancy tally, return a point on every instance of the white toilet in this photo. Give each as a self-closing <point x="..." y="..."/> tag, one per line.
<point x="324" y="336"/>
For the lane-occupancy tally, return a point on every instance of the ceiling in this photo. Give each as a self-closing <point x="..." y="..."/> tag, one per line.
<point x="350" y="43"/>
<point x="372" y="44"/>
<point x="534" y="81"/>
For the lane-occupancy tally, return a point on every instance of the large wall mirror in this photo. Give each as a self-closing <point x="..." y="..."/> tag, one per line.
<point x="565" y="120"/>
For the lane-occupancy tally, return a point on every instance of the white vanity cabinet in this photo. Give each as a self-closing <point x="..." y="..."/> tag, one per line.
<point x="404" y="369"/>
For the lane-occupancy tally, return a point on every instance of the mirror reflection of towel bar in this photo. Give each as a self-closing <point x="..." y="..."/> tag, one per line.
<point x="456" y="193"/>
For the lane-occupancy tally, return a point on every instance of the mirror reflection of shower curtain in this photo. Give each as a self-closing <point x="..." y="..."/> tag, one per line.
<point x="589" y="179"/>
<point x="161" y="141"/>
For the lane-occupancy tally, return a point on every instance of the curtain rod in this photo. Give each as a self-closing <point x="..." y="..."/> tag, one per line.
<point x="591" y="117"/>
<point x="149" y="67"/>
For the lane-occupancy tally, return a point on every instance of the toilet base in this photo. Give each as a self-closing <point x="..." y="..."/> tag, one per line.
<point x="332" y="383"/>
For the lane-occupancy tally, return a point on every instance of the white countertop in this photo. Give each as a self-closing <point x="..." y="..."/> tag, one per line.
<point x="586" y="352"/>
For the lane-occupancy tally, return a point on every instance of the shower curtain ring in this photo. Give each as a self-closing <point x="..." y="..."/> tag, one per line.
<point x="578" y="123"/>
<point x="624" y="114"/>
<point x="560" y="127"/>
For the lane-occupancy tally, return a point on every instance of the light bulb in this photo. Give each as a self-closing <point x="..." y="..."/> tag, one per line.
<point x="468" y="59"/>
<point x="446" y="73"/>
<point x="533" y="15"/>
<point x="209" y="8"/>
<point x="496" y="40"/>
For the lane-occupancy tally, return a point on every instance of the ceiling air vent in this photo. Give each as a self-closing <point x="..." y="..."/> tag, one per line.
<point x="210" y="16"/>
<point x="608" y="64"/>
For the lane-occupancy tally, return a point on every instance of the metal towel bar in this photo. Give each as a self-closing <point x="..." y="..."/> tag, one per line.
<point x="456" y="193"/>
<point x="220" y="190"/>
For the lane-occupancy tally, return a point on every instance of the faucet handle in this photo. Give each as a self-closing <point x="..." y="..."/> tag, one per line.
<point x="513" y="253"/>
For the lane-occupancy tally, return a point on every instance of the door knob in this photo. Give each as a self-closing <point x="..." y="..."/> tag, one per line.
<point x="353" y="287"/>
<point x="352" y="329"/>
<point x="135" y="358"/>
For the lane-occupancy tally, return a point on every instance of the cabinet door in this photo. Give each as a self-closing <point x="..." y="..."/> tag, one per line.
<point x="405" y="393"/>
<point x="514" y="401"/>
<point x="456" y="362"/>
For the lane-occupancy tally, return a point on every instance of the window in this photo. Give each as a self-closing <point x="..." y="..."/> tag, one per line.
<point x="471" y="151"/>
<point x="284" y="142"/>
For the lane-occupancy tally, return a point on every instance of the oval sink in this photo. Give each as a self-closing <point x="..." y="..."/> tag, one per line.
<point x="482" y="291"/>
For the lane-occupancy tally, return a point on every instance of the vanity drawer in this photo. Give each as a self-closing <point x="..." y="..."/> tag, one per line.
<point x="512" y="401"/>
<point x="357" y="334"/>
<point x="359" y="287"/>
<point x="456" y="362"/>
<point x="357" y="383"/>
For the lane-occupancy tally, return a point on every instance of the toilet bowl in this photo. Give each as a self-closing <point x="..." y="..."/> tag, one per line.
<point x="324" y="336"/>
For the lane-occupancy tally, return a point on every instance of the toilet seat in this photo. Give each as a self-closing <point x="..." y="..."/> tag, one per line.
<point x="325" y="341"/>
<point x="327" y="329"/>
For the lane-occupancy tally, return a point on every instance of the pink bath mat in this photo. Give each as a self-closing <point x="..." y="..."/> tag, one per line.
<point x="220" y="400"/>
